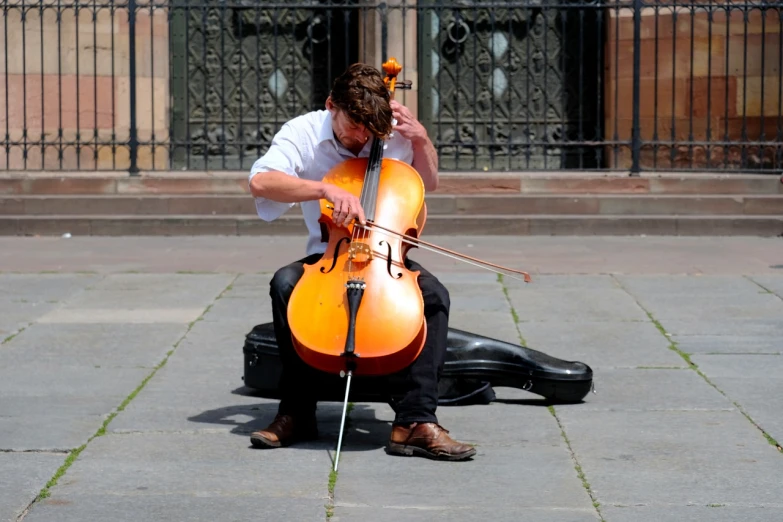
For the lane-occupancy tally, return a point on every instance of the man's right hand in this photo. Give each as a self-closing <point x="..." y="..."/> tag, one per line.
<point x="346" y="206"/>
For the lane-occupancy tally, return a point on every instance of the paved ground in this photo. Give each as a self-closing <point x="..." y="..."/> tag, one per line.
<point x="121" y="395"/>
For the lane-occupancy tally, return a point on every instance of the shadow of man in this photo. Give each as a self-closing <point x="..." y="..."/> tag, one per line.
<point x="364" y="431"/>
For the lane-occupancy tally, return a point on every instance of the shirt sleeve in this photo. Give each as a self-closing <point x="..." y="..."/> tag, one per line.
<point x="402" y="149"/>
<point x="285" y="155"/>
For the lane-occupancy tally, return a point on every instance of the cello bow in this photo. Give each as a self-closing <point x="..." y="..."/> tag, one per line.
<point x="411" y="240"/>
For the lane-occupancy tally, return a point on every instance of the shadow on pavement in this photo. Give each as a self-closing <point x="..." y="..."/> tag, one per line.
<point x="363" y="430"/>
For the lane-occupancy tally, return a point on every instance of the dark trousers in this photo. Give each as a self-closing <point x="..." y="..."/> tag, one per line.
<point x="419" y="381"/>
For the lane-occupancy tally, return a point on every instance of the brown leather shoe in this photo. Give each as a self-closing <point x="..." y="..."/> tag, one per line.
<point x="427" y="440"/>
<point x="284" y="431"/>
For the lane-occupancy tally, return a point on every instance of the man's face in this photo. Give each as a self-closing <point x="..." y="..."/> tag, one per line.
<point x="351" y="134"/>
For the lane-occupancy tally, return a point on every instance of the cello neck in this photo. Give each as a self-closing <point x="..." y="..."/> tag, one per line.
<point x="372" y="178"/>
<point x="372" y="174"/>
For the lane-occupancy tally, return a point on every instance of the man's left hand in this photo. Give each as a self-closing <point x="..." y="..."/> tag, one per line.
<point x="408" y="126"/>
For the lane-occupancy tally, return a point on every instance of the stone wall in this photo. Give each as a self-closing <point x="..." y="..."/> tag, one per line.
<point x="402" y="44"/>
<point x="75" y="75"/>
<point x="717" y="91"/>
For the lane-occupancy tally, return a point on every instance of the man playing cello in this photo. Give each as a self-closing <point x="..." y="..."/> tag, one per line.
<point x="302" y="152"/>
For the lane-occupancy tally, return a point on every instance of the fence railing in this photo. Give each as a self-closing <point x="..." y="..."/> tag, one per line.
<point x="627" y="86"/>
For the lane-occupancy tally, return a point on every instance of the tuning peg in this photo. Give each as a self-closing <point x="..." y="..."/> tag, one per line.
<point x="406" y="84"/>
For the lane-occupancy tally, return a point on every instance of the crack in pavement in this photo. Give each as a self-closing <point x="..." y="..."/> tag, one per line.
<point x="686" y="357"/>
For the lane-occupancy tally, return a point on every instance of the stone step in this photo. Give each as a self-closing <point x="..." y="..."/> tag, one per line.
<point x="437" y="204"/>
<point x="451" y="183"/>
<point x="573" y="225"/>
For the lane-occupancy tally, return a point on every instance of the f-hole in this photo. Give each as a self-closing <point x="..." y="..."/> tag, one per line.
<point x="335" y="254"/>
<point x="389" y="259"/>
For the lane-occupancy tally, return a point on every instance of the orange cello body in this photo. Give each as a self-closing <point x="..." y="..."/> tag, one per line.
<point x="389" y="327"/>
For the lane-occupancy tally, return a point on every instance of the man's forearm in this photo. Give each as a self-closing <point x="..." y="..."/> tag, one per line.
<point x="425" y="161"/>
<point x="279" y="186"/>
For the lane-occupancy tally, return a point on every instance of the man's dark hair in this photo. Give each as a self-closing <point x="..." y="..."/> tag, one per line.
<point x="362" y="95"/>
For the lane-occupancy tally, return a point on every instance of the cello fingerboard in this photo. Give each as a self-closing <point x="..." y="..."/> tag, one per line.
<point x="372" y="178"/>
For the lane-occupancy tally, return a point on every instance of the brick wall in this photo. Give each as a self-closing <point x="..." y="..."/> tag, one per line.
<point x="62" y="77"/>
<point x="692" y="94"/>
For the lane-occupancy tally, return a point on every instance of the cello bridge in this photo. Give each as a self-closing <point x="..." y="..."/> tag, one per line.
<point x="359" y="252"/>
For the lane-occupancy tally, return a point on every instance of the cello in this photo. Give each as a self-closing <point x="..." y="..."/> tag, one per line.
<point x="359" y="310"/>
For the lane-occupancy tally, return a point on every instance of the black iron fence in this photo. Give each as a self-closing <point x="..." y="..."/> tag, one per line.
<point x="500" y="85"/>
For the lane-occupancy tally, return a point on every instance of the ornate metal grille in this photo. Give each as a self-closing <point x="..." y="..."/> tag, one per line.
<point x="241" y="71"/>
<point x="500" y="84"/>
<point x="498" y="87"/>
<point x="507" y="87"/>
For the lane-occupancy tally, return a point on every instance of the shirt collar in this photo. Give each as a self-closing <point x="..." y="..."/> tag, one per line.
<point x="327" y="133"/>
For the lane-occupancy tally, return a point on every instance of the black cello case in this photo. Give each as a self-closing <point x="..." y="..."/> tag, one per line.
<point x="474" y="364"/>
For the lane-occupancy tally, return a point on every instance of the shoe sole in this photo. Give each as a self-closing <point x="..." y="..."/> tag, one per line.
<point x="410" y="451"/>
<point x="262" y="442"/>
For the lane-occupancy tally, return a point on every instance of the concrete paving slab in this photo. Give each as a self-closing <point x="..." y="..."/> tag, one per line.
<point x="762" y="401"/>
<point x="715" y="513"/>
<point x="243" y="310"/>
<point x="26" y="297"/>
<point x="350" y="513"/>
<point x="132" y="507"/>
<point x="39" y="288"/>
<point x="202" y="465"/>
<point x="473" y="297"/>
<point x="41" y="386"/>
<point x="41" y="428"/>
<point x="504" y="423"/>
<point x="47" y="378"/>
<point x="22" y="476"/>
<point x="623" y="389"/>
<point x="603" y="345"/>
<point x="675" y="458"/>
<point x="575" y="305"/>
<point x="773" y="283"/>
<point x="496" y="325"/>
<point x="767" y="368"/>
<point x="128" y="345"/>
<point x="728" y="344"/>
<point x="15" y="318"/>
<point x="659" y="287"/>
<point x="754" y="382"/>
<point x="565" y="282"/>
<point x="122" y="315"/>
<point x="713" y="308"/>
<point x="152" y="291"/>
<point x="217" y="342"/>
<point x="706" y="298"/>
<point x="201" y="389"/>
<point x="373" y="478"/>
<point x="250" y="286"/>
<point x="195" y="397"/>
<point x="457" y="279"/>
<point x="762" y="329"/>
<point x="240" y="416"/>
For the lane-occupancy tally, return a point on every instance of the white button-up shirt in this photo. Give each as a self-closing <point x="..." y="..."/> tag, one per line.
<point x="305" y="147"/>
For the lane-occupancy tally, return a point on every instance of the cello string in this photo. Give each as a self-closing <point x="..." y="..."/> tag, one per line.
<point x="359" y="234"/>
<point x="372" y="183"/>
